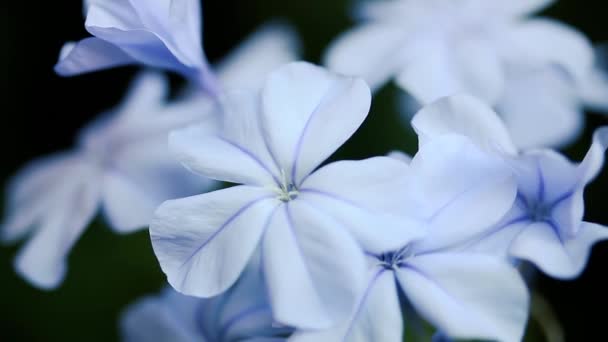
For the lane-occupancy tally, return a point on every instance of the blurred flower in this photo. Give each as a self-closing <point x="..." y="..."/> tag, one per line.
<point x="306" y="223"/>
<point x="545" y="224"/>
<point x="240" y="314"/>
<point x="531" y="69"/>
<point x="460" y="191"/>
<point x="163" y="34"/>
<point x="121" y="164"/>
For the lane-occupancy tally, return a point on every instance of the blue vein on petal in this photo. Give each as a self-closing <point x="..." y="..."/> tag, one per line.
<point x="299" y="144"/>
<point x="361" y="303"/>
<point x="252" y="156"/>
<point x="332" y="196"/>
<point x="224" y="225"/>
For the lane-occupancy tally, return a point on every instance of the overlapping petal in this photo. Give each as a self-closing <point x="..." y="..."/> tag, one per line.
<point x="309" y="254"/>
<point x="195" y="239"/>
<point x="440" y="286"/>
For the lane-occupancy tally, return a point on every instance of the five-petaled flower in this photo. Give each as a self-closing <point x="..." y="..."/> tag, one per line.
<point x="545" y="224"/>
<point x="307" y="225"/>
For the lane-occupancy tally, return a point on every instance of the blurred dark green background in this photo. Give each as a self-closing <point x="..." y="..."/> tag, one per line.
<point x="41" y="112"/>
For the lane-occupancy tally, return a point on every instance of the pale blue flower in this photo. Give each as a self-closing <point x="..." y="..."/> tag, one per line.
<point x="240" y="314"/>
<point x="531" y="69"/>
<point x="545" y="224"/>
<point x="121" y="165"/>
<point x="460" y="191"/>
<point x="307" y="224"/>
<point x="163" y="34"/>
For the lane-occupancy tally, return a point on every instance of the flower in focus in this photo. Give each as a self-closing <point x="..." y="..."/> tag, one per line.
<point x="307" y="224"/>
<point x="545" y="224"/>
<point x="460" y="191"/>
<point x="121" y="164"/>
<point x="530" y="69"/>
<point x="240" y="314"/>
<point x="162" y="34"/>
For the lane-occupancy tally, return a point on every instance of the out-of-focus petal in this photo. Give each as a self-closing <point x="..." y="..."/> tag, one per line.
<point x="90" y="54"/>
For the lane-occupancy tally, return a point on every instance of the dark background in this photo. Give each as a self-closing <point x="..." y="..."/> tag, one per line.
<point x="41" y="113"/>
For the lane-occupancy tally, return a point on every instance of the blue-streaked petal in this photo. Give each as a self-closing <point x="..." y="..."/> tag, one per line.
<point x="367" y="198"/>
<point x="90" y="54"/>
<point x="313" y="268"/>
<point x="308" y="113"/>
<point x="376" y="317"/>
<point x="557" y="256"/>
<point x="204" y="242"/>
<point x="450" y="178"/>
<point x="467" y="296"/>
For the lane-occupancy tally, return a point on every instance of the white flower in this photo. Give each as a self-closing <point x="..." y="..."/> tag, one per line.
<point x="121" y="164"/>
<point x="460" y="191"/>
<point x="531" y="69"/>
<point x="545" y="224"/>
<point x="307" y="224"/>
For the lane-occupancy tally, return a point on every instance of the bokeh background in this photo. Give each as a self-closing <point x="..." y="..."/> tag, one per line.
<point x="41" y="112"/>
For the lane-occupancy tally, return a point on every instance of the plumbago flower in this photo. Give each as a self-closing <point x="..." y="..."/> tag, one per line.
<point x="466" y="295"/>
<point x="531" y="69"/>
<point x="163" y="34"/>
<point x="545" y="224"/>
<point x="240" y="314"/>
<point x="595" y="89"/>
<point x="307" y="224"/>
<point x="121" y="164"/>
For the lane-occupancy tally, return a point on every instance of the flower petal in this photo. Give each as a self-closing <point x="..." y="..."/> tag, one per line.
<point x="308" y="113"/>
<point x="465" y="115"/>
<point x="204" y="242"/>
<point x="237" y="153"/>
<point x="467" y="296"/>
<point x="377" y="316"/>
<point x="30" y="194"/>
<point x="541" y="41"/>
<point x="594" y="88"/>
<point x="436" y="70"/>
<point x="370" y="51"/>
<point x="367" y="198"/>
<point x="168" y="317"/>
<point x="43" y="259"/>
<point x="269" y="47"/>
<point x="594" y="160"/>
<point x="90" y="54"/>
<point x="541" y="98"/>
<point x="451" y="178"/>
<point x="308" y="289"/>
<point x="563" y="258"/>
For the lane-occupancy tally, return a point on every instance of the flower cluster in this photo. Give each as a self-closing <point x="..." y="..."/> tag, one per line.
<point x="298" y="249"/>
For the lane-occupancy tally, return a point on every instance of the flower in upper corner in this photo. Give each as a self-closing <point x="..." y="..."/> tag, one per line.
<point x="240" y="314"/>
<point x="163" y="34"/>
<point x="308" y="224"/>
<point x="122" y="165"/>
<point x="545" y="224"/>
<point x="529" y="68"/>
<point x="460" y="191"/>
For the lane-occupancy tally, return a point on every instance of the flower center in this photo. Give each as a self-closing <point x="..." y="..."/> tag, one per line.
<point x="396" y="259"/>
<point x="540" y="212"/>
<point x="287" y="190"/>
